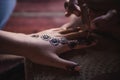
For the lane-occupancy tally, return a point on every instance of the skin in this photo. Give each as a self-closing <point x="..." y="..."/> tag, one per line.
<point x="72" y="7"/>
<point x="38" y="50"/>
<point x="99" y="5"/>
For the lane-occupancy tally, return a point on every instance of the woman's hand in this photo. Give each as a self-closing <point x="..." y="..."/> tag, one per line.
<point x="51" y="43"/>
<point x="46" y="46"/>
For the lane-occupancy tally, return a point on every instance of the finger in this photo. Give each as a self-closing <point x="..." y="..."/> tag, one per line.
<point x="75" y="35"/>
<point x="71" y="8"/>
<point x="77" y="10"/>
<point x="58" y="62"/>
<point x="97" y="19"/>
<point x="66" y="6"/>
<point x="65" y="26"/>
<point x="76" y="29"/>
<point x="77" y="13"/>
<point x="67" y="14"/>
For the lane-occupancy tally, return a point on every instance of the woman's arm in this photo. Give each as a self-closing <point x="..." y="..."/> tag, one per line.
<point x="12" y="42"/>
<point x="35" y="49"/>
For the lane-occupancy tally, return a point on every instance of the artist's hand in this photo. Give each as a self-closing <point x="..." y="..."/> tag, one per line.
<point x="104" y="13"/>
<point x="71" y="7"/>
<point x="106" y="22"/>
<point x="75" y="22"/>
<point x="46" y="46"/>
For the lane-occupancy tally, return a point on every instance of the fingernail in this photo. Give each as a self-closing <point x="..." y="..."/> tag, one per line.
<point x="73" y="68"/>
<point x="77" y="68"/>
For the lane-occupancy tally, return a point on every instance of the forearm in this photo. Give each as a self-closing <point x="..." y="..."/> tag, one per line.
<point x="11" y="42"/>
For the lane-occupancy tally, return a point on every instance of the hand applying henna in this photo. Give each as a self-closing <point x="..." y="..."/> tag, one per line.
<point x="71" y="7"/>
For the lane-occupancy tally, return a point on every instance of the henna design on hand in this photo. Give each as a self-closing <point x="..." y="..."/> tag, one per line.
<point x="46" y="37"/>
<point x="63" y="41"/>
<point x="57" y="41"/>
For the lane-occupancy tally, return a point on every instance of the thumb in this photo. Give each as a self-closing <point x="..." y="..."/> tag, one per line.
<point x="64" y="64"/>
<point x="98" y="19"/>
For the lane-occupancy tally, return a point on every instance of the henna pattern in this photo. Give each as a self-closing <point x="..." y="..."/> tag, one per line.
<point x="55" y="41"/>
<point x="46" y="37"/>
<point x="71" y="43"/>
<point x="63" y="41"/>
<point x="35" y="36"/>
<point x="58" y="41"/>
